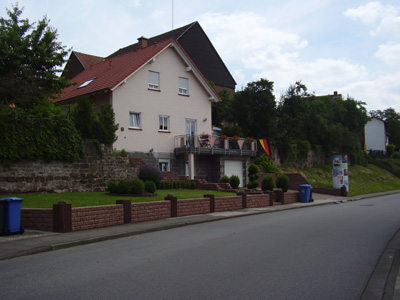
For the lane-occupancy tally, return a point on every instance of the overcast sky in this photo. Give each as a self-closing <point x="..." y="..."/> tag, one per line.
<point x="352" y="47"/>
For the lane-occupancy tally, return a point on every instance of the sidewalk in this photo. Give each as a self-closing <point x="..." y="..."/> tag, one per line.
<point x="384" y="280"/>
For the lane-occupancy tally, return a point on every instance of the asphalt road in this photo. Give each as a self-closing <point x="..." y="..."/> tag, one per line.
<point x="325" y="252"/>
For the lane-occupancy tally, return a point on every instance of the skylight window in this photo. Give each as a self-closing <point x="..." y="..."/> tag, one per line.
<point x="86" y="83"/>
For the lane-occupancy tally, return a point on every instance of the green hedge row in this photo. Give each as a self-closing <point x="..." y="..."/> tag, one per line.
<point x="26" y="137"/>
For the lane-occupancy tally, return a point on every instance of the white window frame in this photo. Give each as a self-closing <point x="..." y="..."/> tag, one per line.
<point x="164" y="162"/>
<point x="163" y="123"/>
<point x="87" y="82"/>
<point x="183" y="86"/>
<point x="138" y="122"/>
<point x="154" y="80"/>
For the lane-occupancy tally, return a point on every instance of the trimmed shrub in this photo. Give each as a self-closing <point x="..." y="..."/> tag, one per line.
<point x="137" y="187"/>
<point x="123" y="187"/>
<point x="224" y="179"/>
<point x="112" y="186"/>
<point x="252" y="185"/>
<point x="234" y="181"/>
<point x="267" y="183"/>
<point x="193" y="185"/>
<point x="150" y="186"/>
<point x="266" y="164"/>
<point x="150" y="174"/>
<point x="282" y="182"/>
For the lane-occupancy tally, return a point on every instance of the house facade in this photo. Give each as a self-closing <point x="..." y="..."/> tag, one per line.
<point x="162" y="103"/>
<point x="375" y="135"/>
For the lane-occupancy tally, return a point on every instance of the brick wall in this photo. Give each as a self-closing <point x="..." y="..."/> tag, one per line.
<point x="228" y="203"/>
<point x="96" y="216"/>
<point x="37" y="218"/>
<point x="189" y="207"/>
<point x="292" y="197"/>
<point x="258" y="200"/>
<point x="147" y="211"/>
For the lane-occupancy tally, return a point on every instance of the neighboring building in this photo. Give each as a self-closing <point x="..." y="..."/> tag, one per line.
<point x="162" y="103"/>
<point x="375" y="135"/>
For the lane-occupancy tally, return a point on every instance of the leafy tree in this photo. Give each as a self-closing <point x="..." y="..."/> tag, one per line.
<point x="107" y="124"/>
<point x="254" y="109"/>
<point x="30" y="59"/>
<point x="84" y="118"/>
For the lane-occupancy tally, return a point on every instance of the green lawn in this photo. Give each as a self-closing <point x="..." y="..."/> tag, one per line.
<point x="46" y="200"/>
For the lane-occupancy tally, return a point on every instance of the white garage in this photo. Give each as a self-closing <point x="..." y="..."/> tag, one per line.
<point x="234" y="167"/>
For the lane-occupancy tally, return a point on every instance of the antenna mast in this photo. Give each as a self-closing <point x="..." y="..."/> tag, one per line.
<point x="172" y="14"/>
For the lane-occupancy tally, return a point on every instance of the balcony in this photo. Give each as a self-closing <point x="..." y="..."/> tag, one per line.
<point x="214" y="145"/>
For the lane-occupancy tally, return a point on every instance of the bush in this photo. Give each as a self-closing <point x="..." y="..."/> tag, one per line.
<point x="224" y="179"/>
<point x="151" y="174"/>
<point x="395" y="155"/>
<point x="253" y="184"/>
<point x="112" y="186"/>
<point x="123" y="187"/>
<point x="137" y="187"/>
<point x="282" y="182"/>
<point x="390" y="150"/>
<point x="193" y="185"/>
<point x="150" y="186"/>
<point x="234" y="181"/>
<point x="253" y="169"/>
<point x="267" y="183"/>
<point x="266" y="164"/>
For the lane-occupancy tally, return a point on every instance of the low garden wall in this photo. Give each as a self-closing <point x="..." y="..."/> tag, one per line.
<point x="63" y="218"/>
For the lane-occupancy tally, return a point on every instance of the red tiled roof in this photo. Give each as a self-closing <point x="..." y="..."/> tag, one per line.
<point x="88" y="60"/>
<point x="109" y="73"/>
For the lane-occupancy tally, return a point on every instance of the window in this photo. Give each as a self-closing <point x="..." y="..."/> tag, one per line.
<point x="134" y="120"/>
<point x="183" y="86"/>
<point x="163" y="123"/>
<point x="86" y="83"/>
<point x="163" y="165"/>
<point x="154" y="80"/>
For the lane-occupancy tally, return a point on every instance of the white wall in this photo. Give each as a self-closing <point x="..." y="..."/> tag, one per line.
<point x="375" y="135"/>
<point x="136" y="97"/>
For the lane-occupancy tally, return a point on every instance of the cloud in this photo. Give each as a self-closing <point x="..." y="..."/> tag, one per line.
<point x="389" y="53"/>
<point x="384" y="19"/>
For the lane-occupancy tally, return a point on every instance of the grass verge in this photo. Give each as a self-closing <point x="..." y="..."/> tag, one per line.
<point x="46" y="200"/>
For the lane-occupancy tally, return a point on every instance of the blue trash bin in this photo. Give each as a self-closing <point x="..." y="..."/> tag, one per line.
<point x="305" y="192"/>
<point x="2" y="229"/>
<point x="12" y="215"/>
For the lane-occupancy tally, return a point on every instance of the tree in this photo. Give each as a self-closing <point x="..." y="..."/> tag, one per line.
<point x="84" y="118"/>
<point x="30" y="59"/>
<point x="254" y="109"/>
<point x="107" y="124"/>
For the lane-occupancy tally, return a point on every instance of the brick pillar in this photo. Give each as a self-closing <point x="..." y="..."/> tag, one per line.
<point x="127" y="205"/>
<point x="62" y="217"/>
<point x="174" y="205"/>
<point x="212" y="201"/>
<point x="280" y="197"/>
<point x="270" y="196"/>
<point x="244" y="200"/>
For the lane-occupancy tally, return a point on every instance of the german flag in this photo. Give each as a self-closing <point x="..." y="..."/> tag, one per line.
<point x="264" y="144"/>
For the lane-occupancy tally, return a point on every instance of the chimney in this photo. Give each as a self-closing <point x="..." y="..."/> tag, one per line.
<point x="142" y="42"/>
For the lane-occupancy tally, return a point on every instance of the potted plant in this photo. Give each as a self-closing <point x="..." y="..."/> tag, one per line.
<point x="204" y="135"/>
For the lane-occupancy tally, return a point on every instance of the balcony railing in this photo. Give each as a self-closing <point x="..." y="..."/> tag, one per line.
<point x="215" y="145"/>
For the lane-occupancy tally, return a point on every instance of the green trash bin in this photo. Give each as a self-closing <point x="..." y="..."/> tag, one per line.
<point x="12" y="215"/>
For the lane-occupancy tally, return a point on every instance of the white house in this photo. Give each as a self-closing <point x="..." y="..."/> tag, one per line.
<point x="375" y="135"/>
<point x="162" y="103"/>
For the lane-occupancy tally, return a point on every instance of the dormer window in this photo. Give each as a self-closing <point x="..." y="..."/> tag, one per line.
<point x="154" y="80"/>
<point x="87" y="82"/>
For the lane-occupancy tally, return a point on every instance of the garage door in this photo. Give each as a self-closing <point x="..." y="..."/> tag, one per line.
<point x="234" y="167"/>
